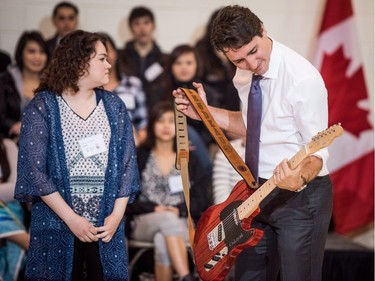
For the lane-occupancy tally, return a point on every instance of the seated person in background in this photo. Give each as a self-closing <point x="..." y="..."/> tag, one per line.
<point x="17" y="84"/>
<point x="4" y="61"/>
<point x="14" y="240"/>
<point x="129" y="89"/>
<point x="224" y="176"/>
<point x="65" y="19"/>
<point x="159" y="213"/>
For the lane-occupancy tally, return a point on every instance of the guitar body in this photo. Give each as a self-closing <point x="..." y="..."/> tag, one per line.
<point x="220" y="235"/>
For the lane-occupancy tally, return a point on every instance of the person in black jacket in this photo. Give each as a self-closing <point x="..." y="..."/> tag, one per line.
<point x="159" y="214"/>
<point x="4" y="60"/>
<point x="65" y="19"/>
<point x="142" y="56"/>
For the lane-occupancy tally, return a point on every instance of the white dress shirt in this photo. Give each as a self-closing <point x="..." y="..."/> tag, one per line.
<point x="294" y="107"/>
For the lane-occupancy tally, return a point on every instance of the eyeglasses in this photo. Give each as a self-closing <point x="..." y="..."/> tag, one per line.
<point x="63" y="18"/>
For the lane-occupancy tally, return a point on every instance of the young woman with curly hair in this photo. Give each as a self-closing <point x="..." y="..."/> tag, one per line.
<point x="77" y="165"/>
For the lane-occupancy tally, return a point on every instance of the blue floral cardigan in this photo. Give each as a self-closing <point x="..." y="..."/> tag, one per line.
<point x="42" y="170"/>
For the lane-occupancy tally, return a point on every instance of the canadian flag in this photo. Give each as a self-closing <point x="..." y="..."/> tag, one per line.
<point x="351" y="161"/>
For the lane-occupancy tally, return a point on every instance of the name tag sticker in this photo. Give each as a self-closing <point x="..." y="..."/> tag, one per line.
<point x="129" y="100"/>
<point x="153" y="71"/>
<point x="175" y="184"/>
<point x="92" y="145"/>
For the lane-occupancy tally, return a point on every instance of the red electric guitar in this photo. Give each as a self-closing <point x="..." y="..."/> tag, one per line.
<point x="224" y="230"/>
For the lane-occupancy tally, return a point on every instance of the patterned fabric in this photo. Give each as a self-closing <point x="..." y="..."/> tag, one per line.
<point x="42" y="170"/>
<point x="131" y="93"/>
<point x="86" y="175"/>
<point x="11" y="255"/>
<point x="155" y="187"/>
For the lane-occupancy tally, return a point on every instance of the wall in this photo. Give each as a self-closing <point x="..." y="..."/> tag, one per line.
<point x="292" y="22"/>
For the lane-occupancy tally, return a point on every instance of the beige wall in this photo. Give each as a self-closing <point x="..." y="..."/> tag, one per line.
<point x="292" y="22"/>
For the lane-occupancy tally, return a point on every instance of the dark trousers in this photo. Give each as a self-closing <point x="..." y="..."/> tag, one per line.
<point x="295" y="229"/>
<point x="86" y="262"/>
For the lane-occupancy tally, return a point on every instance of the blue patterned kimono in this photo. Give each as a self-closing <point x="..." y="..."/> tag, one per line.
<point x="42" y="170"/>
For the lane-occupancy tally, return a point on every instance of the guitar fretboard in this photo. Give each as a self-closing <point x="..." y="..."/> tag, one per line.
<point x="252" y="203"/>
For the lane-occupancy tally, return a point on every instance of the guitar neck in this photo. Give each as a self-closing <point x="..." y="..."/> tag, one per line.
<point x="252" y="203"/>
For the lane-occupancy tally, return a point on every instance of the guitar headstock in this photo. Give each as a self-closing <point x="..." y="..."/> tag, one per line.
<point x="325" y="138"/>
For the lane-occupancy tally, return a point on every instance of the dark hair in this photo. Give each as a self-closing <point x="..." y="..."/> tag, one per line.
<point x="4" y="162"/>
<point x="234" y="27"/>
<point x="154" y="115"/>
<point x="210" y="63"/>
<point x="70" y="61"/>
<point x="177" y="52"/>
<point x="169" y="80"/>
<point x="26" y="37"/>
<point x="111" y="42"/>
<point x="140" y="12"/>
<point x="65" y="4"/>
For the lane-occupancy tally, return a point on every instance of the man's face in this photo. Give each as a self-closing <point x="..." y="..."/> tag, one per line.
<point x="142" y="29"/>
<point x="65" y="21"/>
<point x="254" y="56"/>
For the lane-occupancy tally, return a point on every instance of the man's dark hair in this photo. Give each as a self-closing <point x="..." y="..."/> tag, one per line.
<point x="140" y="12"/>
<point x="234" y="27"/>
<point x="65" y="4"/>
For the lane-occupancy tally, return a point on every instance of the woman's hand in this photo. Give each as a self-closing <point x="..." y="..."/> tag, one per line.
<point x="82" y="229"/>
<point x="112" y="222"/>
<point x="15" y="129"/>
<point x="109" y="228"/>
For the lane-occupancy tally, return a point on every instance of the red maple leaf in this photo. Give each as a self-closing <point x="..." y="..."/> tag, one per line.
<point x="344" y="93"/>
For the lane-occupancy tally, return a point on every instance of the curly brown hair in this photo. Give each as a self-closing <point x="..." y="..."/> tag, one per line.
<point x="70" y="61"/>
<point x="233" y="27"/>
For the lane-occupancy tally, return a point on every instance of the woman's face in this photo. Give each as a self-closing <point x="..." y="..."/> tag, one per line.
<point x="34" y="57"/>
<point x="98" y="70"/>
<point x="185" y="67"/>
<point x="164" y="128"/>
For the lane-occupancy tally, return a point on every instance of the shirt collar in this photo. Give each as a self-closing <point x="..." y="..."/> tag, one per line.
<point x="275" y="59"/>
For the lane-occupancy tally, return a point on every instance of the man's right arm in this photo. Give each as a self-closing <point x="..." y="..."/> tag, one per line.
<point x="229" y="121"/>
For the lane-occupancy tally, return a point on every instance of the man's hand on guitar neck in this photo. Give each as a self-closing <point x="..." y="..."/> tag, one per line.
<point x="293" y="179"/>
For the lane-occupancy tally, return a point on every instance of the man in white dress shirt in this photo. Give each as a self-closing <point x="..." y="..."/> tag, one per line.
<point x="294" y="216"/>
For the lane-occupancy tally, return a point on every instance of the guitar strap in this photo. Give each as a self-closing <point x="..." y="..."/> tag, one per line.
<point x="182" y="161"/>
<point x="220" y="138"/>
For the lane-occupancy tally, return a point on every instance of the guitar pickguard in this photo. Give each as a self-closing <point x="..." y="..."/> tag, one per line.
<point x="230" y="230"/>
